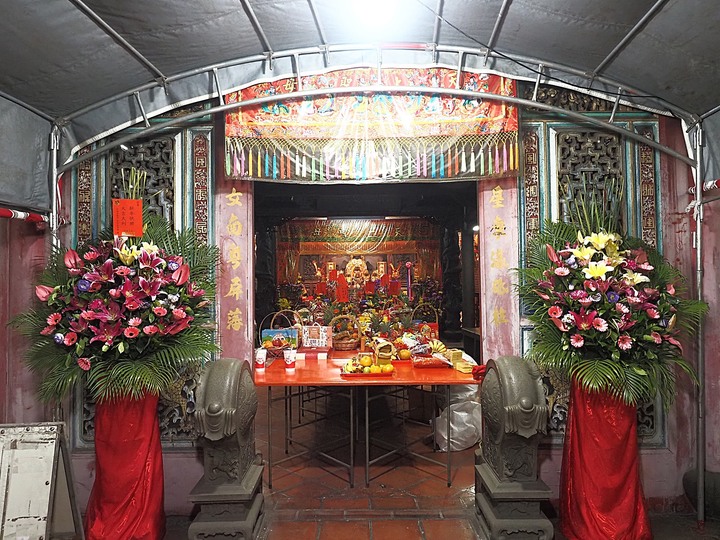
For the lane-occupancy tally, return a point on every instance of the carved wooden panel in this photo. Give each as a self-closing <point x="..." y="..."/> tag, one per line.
<point x="156" y="158"/>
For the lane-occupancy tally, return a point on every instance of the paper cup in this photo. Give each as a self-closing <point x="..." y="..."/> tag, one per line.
<point x="289" y="355"/>
<point x="260" y="358"/>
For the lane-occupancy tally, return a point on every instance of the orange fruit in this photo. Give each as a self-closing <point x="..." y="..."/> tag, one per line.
<point x="375" y="369"/>
<point x="387" y="368"/>
<point x="404" y="354"/>
<point x="366" y="360"/>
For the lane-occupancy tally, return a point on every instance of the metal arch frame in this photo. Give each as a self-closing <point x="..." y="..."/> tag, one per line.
<point x="526" y="62"/>
<point x="317" y="92"/>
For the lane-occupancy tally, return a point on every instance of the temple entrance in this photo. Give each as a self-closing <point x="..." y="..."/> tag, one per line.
<point x="409" y="233"/>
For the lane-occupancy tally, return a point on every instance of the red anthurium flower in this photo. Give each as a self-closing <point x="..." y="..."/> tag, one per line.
<point x="674" y="341"/>
<point x="181" y="275"/>
<point x="43" y="292"/>
<point x="561" y="325"/>
<point x="552" y="255"/>
<point x="74" y="263"/>
<point x="178" y="326"/>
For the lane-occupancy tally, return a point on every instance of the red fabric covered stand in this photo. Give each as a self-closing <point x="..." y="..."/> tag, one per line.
<point x="601" y="495"/>
<point x="127" y="498"/>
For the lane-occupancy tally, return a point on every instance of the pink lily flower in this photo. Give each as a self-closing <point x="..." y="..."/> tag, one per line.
<point x="584" y="321"/>
<point x="103" y="273"/>
<point x="106" y="332"/>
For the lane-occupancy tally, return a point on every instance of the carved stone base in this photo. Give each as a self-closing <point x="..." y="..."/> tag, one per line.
<point x="510" y="510"/>
<point x="229" y="510"/>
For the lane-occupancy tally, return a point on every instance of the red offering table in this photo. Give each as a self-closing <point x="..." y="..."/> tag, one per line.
<point x="323" y="373"/>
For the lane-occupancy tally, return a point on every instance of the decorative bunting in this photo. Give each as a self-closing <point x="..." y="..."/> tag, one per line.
<point x="374" y="137"/>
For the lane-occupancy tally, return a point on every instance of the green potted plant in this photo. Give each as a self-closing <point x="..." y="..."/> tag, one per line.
<point x="608" y="314"/>
<point x="123" y="318"/>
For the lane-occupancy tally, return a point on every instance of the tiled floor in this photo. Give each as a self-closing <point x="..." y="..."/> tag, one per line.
<point x="407" y="498"/>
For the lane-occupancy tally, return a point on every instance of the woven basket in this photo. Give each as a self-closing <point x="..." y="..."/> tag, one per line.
<point x="422" y="309"/>
<point x="342" y="341"/>
<point x="285" y="318"/>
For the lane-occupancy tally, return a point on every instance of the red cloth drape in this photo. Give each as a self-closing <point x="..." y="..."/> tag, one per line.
<point x="127" y="498"/>
<point x="601" y="495"/>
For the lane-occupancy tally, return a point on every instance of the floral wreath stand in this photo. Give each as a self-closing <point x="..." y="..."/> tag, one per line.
<point x="127" y="498"/>
<point x="601" y="494"/>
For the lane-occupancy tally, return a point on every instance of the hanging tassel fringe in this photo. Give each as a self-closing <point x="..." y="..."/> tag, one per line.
<point x="336" y="160"/>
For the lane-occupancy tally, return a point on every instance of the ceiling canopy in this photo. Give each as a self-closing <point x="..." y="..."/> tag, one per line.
<point x="94" y="67"/>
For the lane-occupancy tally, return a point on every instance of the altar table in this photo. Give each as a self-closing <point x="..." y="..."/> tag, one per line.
<point x="326" y="373"/>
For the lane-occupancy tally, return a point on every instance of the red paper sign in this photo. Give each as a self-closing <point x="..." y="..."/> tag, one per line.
<point x="127" y="217"/>
<point x="394" y="288"/>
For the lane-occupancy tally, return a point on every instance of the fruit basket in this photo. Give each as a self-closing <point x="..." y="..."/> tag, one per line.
<point x="426" y="320"/>
<point x="283" y="332"/>
<point x="346" y="333"/>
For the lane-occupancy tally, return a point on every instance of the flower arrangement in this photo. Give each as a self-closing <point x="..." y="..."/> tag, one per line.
<point x="607" y="311"/>
<point x="122" y="316"/>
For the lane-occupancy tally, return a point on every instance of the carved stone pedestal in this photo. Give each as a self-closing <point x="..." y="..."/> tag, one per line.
<point x="508" y="491"/>
<point x="230" y="492"/>
<point x="229" y="511"/>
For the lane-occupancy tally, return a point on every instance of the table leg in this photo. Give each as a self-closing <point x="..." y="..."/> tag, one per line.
<point x="352" y="438"/>
<point x="269" y="435"/>
<point x="367" y="438"/>
<point x="288" y="418"/>
<point x="449" y="436"/>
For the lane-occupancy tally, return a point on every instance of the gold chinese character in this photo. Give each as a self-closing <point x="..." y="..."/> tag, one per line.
<point x="290" y="85"/>
<point x="236" y="289"/>
<point x="497" y="259"/>
<point x="234" y="256"/>
<point x="496" y="199"/>
<point x="500" y="286"/>
<point x="498" y="227"/>
<point x="234" y="320"/>
<point x="234" y="225"/>
<point x="234" y="198"/>
<point x="499" y="316"/>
